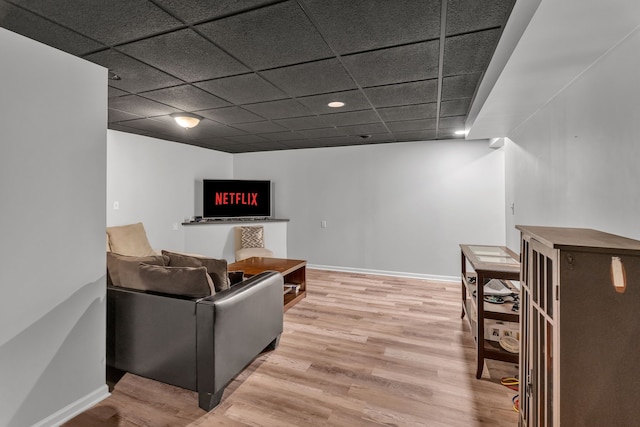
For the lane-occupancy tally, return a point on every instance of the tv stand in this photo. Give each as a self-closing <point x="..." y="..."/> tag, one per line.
<point x="232" y="219"/>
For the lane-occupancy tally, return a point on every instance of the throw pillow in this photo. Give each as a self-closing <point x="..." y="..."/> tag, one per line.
<point x="123" y="270"/>
<point x="252" y="237"/>
<point x="130" y="240"/>
<point x="217" y="268"/>
<point x="191" y="282"/>
<point x="235" y="277"/>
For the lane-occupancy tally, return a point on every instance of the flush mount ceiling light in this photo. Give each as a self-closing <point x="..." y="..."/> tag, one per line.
<point x="336" y="104"/>
<point x="461" y="132"/>
<point x="186" y="120"/>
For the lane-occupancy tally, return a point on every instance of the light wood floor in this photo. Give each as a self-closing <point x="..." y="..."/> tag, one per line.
<point x="360" y="350"/>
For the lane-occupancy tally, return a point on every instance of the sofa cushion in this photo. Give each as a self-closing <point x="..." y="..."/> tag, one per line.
<point x="186" y="281"/>
<point x="235" y="277"/>
<point x="217" y="268"/>
<point x="252" y="237"/>
<point x="129" y="240"/>
<point x="123" y="270"/>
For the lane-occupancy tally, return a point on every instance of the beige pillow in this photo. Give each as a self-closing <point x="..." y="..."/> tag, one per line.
<point x="187" y="281"/>
<point x="217" y="268"/>
<point x="123" y="270"/>
<point x="252" y="237"/>
<point x="129" y="240"/>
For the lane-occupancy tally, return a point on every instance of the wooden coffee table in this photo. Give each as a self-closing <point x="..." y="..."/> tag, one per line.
<point x="293" y="270"/>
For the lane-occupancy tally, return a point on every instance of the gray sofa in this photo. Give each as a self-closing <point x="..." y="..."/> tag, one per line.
<point x="179" y="319"/>
<point x="197" y="344"/>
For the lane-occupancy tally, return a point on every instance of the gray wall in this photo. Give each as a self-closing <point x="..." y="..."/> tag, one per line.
<point x="158" y="183"/>
<point x="52" y="192"/>
<point x="391" y="208"/>
<point x="575" y="162"/>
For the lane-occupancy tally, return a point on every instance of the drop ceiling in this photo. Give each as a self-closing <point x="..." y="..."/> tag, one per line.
<point x="261" y="73"/>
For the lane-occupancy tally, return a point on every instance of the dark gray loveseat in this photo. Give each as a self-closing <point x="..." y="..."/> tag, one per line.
<point x="199" y="344"/>
<point x="174" y="317"/>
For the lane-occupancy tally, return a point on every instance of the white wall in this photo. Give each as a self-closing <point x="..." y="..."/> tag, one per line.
<point x="52" y="189"/>
<point x="158" y="183"/>
<point x="218" y="239"/>
<point x="395" y="208"/>
<point x="575" y="162"/>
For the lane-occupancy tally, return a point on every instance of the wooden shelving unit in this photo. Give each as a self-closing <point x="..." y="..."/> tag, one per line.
<point x="580" y="333"/>
<point x="487" y="262"/>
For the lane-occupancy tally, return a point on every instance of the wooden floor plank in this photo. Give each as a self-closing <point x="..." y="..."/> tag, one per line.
<point x="360" y="350"/>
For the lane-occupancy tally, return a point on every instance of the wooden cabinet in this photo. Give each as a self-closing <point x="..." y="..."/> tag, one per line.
<point x="580" y="328"/>
<point x="487" y="262"/>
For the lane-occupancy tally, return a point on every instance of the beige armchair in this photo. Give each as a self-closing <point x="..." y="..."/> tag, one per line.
<point x="249" y="242"/>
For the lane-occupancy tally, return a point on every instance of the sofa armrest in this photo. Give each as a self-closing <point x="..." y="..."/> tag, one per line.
<point x="246" y="319"/>
<point x="152" y="334"/>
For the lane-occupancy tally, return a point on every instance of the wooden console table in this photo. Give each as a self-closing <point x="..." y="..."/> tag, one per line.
<point x="293" y="270"/>
<point x="488" y="262"/>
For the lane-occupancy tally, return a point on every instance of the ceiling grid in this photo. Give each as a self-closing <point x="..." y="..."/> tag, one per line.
<point x="261" y="72"/>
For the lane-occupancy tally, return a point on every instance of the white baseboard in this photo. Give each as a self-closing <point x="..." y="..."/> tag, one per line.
<point x="434" y="277"/>
<point x="75" y="408"/>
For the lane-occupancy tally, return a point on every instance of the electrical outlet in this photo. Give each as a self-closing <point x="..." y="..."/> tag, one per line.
<point x="116" y="206"/>
<point x="323" y="224"/>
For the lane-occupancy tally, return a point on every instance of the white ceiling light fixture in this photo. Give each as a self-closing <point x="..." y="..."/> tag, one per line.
<point x="461" y="132"/>
<point x="336" y="104"/>
<point x="186" y="120"/>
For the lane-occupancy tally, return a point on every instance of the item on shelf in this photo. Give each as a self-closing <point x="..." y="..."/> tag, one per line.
<point x="497" y="287"/>
<point x="292" y="287"/>
<point x="494" y="330"/>
<point x="494" y="299"/>
<point x="510" y="344"/>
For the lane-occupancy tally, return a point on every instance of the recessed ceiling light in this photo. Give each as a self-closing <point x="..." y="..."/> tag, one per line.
<point x="336" y="104"/>
<point x="461" y="132"/>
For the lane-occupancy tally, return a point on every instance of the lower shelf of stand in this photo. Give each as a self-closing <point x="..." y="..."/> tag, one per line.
<point x="492" y="350"/>
<point x="290" y="299"/>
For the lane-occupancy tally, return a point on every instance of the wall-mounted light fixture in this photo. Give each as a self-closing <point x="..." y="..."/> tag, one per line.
<point x="186" y="120"/>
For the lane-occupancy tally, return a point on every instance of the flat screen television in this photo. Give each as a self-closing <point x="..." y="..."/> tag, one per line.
<point x="232" y="198"/>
